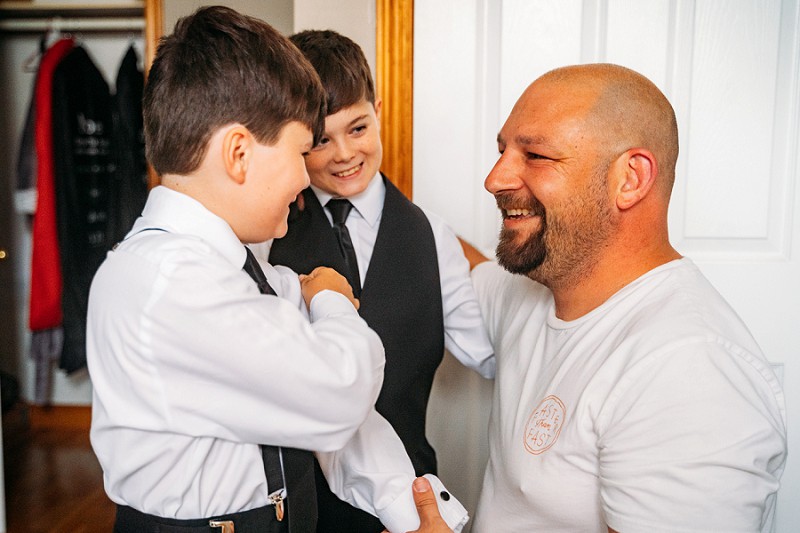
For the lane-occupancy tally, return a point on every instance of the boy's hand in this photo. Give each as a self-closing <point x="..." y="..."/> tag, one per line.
<point x="322" y="278"/>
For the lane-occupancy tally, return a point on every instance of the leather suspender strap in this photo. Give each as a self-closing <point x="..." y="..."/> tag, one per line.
<point x="276" y="485"/>
<point x="272" y="456"/>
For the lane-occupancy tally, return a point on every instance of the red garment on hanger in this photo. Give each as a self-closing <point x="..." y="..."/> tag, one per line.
<point x="46" y="282"/>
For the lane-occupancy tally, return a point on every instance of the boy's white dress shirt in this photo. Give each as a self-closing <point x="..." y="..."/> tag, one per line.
<point x="192" y="368"/>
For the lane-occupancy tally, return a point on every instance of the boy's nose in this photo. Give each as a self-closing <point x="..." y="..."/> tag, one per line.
<point x="344" y="152"/>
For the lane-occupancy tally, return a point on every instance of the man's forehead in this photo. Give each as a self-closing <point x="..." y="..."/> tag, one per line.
<point x="538" y="116"/>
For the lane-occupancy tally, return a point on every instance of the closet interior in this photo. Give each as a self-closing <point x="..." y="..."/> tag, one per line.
<point x="94" y="196"/>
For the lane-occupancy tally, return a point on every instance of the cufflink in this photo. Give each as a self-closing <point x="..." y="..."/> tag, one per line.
<point x="444" y="495"/>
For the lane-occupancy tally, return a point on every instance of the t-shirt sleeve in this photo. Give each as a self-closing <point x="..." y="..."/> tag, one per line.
<point x="691" y="439"/>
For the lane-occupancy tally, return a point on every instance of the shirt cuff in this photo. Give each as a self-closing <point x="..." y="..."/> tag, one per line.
<point x="401" y="515"/>
<point x="328" y="303"/>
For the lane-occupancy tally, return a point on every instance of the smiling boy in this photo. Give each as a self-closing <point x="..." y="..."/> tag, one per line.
<point x="405" y="265"/>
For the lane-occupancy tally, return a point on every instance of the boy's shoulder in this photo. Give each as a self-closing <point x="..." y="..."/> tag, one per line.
<point x="160" y="247"/>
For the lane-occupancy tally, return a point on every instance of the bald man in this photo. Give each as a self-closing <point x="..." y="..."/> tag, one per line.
<point x="629" y="396"/>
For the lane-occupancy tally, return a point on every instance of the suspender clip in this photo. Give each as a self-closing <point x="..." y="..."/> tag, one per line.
<point x="226" y="526"/>
<point x="276" y="499"/>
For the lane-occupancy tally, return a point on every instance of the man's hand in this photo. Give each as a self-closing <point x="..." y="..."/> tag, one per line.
<point x="430" y="521"/>
<point x="322" y="278"/>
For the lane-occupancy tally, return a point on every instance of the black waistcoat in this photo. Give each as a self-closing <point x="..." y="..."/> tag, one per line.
<point x="401" y="300"/>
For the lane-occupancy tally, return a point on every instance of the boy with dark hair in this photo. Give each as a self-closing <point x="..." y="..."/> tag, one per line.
<point x="209" y="388"/>
<point x="405" y="265"/>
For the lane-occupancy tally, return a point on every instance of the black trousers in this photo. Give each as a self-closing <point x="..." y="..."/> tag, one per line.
<point x="261" y="520"/>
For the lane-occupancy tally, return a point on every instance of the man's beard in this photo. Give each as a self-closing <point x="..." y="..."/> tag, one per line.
<point x="527" y="256"/>
<point x="565" y="246"/>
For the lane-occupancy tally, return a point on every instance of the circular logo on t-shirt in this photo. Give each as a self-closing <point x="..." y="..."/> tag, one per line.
<point x="544" y="425"/>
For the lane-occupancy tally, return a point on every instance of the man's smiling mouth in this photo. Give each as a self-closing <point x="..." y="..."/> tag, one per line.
<point x="513" y="213"/>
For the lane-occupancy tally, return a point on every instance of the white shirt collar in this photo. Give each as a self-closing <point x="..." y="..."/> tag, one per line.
<point x="181" y="214"/>
<point x="368" y="203"/>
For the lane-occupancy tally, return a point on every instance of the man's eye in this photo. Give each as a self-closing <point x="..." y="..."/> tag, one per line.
<point x="534" y="155"/>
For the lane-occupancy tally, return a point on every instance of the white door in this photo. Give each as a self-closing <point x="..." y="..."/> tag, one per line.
<point x="731" y="68"/>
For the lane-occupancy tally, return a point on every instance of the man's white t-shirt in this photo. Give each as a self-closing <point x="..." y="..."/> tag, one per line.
<point x="654" y="412"/>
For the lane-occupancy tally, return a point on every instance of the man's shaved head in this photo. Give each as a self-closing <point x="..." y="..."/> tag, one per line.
<point x="629" y="111"/>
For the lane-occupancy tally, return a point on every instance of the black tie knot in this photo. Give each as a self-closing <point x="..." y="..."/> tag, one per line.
<point x="339" y="208"/>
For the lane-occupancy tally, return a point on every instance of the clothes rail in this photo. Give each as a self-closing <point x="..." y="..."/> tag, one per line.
<point x="87" y="24"/>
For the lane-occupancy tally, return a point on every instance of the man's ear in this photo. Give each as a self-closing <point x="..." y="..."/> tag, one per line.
<point x="237" y="150"/>
<point x="636" y="174"/>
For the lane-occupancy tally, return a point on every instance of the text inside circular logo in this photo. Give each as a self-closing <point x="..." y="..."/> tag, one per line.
<point x="544" y="425"/>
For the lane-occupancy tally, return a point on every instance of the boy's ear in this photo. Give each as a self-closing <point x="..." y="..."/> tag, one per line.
<point x="378" y="105"/>
<point x="237" y="150"/>
<point x="636" y="171"/>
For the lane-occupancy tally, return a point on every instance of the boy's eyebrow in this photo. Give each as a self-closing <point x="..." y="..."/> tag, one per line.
<point x="357" y="119"/>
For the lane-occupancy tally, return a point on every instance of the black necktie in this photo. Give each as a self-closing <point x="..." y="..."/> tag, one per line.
<point x="339" y="209"/>
<point x="253" y="269"/>
<point x="296" y="467"/>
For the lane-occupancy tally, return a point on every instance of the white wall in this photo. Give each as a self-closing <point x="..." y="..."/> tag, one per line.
<point x="279" y="13"/>
<point x="353" y="18"/>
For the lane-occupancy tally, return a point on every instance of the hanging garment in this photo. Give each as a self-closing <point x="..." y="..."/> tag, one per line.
<point x="82" y="143"/>
<point x="128" y="188"/>
<point x="25" y="194"/>
<point x="44" y="318"/>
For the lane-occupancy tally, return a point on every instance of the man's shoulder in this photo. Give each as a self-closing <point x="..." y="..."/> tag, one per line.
<point x="679" y="306"/>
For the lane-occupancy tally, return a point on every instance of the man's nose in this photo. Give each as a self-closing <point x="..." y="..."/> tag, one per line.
<point x="504" y="176"/>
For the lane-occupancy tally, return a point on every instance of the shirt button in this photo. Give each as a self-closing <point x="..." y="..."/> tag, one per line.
<point x="444" y="495"/>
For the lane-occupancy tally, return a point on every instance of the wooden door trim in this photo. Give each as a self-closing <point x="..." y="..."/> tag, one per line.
<point x="395" y="81"/>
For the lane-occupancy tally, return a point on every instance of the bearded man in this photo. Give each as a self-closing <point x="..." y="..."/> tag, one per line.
<point x="629" y="396"/>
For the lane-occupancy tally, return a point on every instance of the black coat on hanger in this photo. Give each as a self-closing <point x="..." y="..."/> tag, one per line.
<point x="82" y="143"/>
<point x="128" y="191"/>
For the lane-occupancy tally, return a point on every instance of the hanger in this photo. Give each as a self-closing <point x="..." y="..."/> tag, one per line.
<point x="47" y="39"/>
<point x="31" y="63"/>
